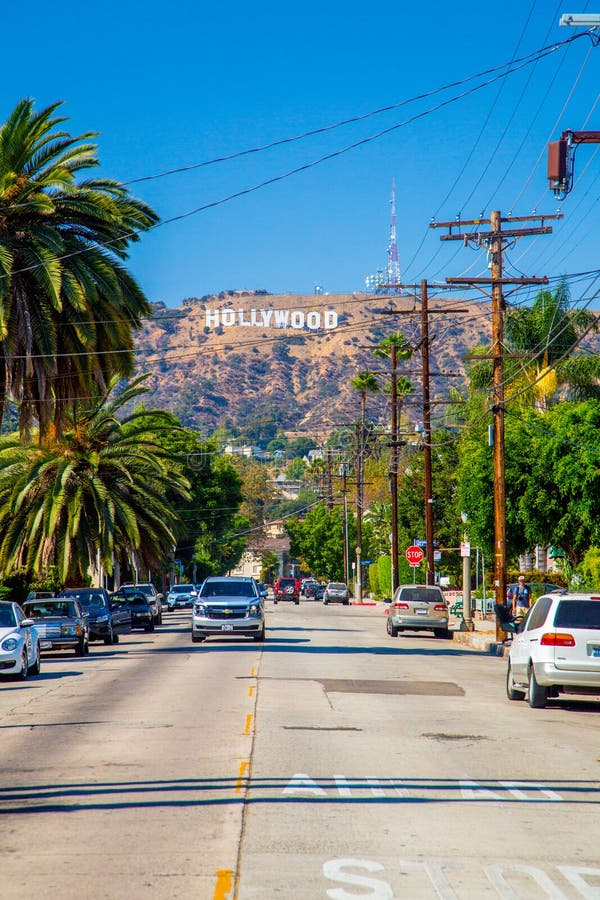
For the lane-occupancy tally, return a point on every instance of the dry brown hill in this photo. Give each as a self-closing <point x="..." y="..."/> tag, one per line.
<point x="290" y="358"/>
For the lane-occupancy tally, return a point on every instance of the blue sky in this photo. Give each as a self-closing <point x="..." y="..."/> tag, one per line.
<point x="172" y="85"/>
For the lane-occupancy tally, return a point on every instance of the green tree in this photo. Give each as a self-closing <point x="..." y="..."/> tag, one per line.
<point x="99" y="489"/>
<point x="560" y="505"/>
<point x="67" y="304"/>
<point x="317" y="542"/>
<point x="365" y="383"/>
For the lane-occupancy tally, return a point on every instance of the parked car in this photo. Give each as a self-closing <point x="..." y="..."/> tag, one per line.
<point x="104" y="624"/>
<point x="415" y="607"/>
<point x="40" y="595"/>
<point x="152" y="595"/>
<point x="181" y="596"/>
<point x="136" y="602"/>
<point x="336" y="592"/>
<point x="286" y="589"/>
<point x="314" y="591"/>
<point x="556" y="649"/>
<point x="228" y="606"/>
<point x="60" y="624"/>
<point x="19" y="642"/>
<point x="305" y="585"/>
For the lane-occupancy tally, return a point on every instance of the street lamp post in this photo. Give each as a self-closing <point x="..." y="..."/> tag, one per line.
<point x="465" y="552"/>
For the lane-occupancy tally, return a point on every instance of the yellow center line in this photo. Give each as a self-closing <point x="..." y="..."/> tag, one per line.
<point x="251" y="690"/>
<point x="248" y="724"/>
<point x="252" y="672"/>
<point x="224" y="884"/>
<point x="243" y="766"/>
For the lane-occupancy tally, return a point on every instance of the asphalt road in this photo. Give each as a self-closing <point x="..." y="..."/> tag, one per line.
<point x="334" y="761"/>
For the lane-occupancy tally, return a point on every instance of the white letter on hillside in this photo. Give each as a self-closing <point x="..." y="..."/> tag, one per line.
<point x="266" y="315"/>
<point x="331" y="318"/>
<point x="212" y="318"/>
<point x="281" y="318"/>
<point x="228" y="317"/>
<point x="313" y="320"/>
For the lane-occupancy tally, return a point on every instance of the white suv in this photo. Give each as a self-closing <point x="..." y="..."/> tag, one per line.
<point x="556" y="649"/>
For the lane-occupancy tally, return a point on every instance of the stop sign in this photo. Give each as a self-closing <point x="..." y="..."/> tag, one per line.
<point x="414" y="555"/>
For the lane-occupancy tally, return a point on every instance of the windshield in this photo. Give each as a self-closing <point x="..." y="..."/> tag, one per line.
<point x="90" y="598"/>
<point x="228" y="589"/>
<point x="7" y="617"/>
<point x="338" y="586"/>
<point x="182" y="588"/>
<point x="44" y="609"/>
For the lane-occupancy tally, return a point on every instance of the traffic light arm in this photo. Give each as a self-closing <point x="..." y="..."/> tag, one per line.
<point x="561" y="159"/>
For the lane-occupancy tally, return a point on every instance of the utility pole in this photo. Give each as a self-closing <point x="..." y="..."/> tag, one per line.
<point x="494" y="241"/>
<point x="426" y="406"/>
<point x="329" y="480"/>
<point x="360" y="444"/>
<point x="394" y="467"/>
<point x="429" y="549"/>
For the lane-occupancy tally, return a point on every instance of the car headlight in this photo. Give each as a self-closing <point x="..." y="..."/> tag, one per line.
<point x="70" y="630"/>
<point x="199" y="609"/>
<point x="10" y="643"/>
<point x="255" y="609"/>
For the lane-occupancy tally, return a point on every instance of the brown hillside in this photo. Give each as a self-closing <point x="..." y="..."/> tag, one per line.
<point x="211" y="374"/>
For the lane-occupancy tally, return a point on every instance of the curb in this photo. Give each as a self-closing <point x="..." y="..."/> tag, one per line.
<point x="481" y="641"/>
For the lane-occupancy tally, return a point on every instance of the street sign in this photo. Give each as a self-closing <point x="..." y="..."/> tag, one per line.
<point x="414" y="555"/>
<point x="465" y="548"/>
<point x="437" y="555"/>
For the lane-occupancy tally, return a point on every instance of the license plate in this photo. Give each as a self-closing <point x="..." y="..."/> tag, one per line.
<point x="595" y="651"/>
<point x="226" y="627"/>
<point x="45" y="645"/>
<point x="421" y="612"/>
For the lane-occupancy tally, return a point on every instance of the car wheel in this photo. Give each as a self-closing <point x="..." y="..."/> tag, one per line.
<point x="260" y="636"/>
<point x="297" y="602"/>
<point x="275" y="601"/>
<point x="34" y="668"/>
<point x="115" y="639"/>
<point x="80" y="649"/>
<point x="391" y="629"/>
<point x="511" y="691"/>
<point x="22" y="676"/>
<point x="149" y="627"/>
<point x="197" y="638"/>
<point x="110" y="638"/>
<point x="441" y="633"/>
<point x="538" y="694"/>
<point x="325" y="600"/>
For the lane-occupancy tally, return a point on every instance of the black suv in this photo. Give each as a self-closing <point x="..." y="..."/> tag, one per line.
<point x="104" y="624"/>
<point x="153" y="598"/>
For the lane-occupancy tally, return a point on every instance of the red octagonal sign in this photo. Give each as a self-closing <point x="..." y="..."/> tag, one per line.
<point x="414" y="555"/>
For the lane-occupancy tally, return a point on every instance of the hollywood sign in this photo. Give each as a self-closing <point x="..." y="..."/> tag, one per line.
<point x="272" y="318"/>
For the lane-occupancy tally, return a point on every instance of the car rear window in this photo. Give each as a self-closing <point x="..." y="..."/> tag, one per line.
<point x="421" y="595"/>
<point x="578" y="614"/>
<point x="338" y="586"/>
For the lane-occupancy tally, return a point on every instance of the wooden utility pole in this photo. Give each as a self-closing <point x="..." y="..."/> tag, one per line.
<point x="394" y="466"/>
<point x="494" y="241"/>
<point x="429" y="548"/>
<point x="426" y="407"/>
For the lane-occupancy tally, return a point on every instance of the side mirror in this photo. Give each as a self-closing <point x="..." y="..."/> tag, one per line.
<point x="510" y="627"/>
<point x="27" y="623"/>
<point x="387" y="599"/>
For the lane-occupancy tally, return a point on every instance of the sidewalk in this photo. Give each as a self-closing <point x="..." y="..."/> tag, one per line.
<point x="483" y="637"/>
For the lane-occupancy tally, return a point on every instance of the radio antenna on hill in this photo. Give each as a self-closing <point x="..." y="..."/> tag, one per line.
<point x="386" y="281"/>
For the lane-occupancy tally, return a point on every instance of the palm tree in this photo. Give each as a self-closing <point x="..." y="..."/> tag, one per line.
<point x="365" y="383"/>
<point x="543" y="339"/>
<point x="98" y="490"/>
<point x="67" y="304"/>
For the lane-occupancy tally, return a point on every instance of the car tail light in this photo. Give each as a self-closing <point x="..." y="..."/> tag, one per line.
<point x="440" y="607"/>
<point x="401" y="606"/>
<point x="557" y="639"/>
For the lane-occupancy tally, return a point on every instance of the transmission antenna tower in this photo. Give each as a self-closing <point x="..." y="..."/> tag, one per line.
<point x="393" y="266"/>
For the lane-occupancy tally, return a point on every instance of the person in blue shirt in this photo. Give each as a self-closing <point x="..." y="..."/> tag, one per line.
<point x="520" y="598"/>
